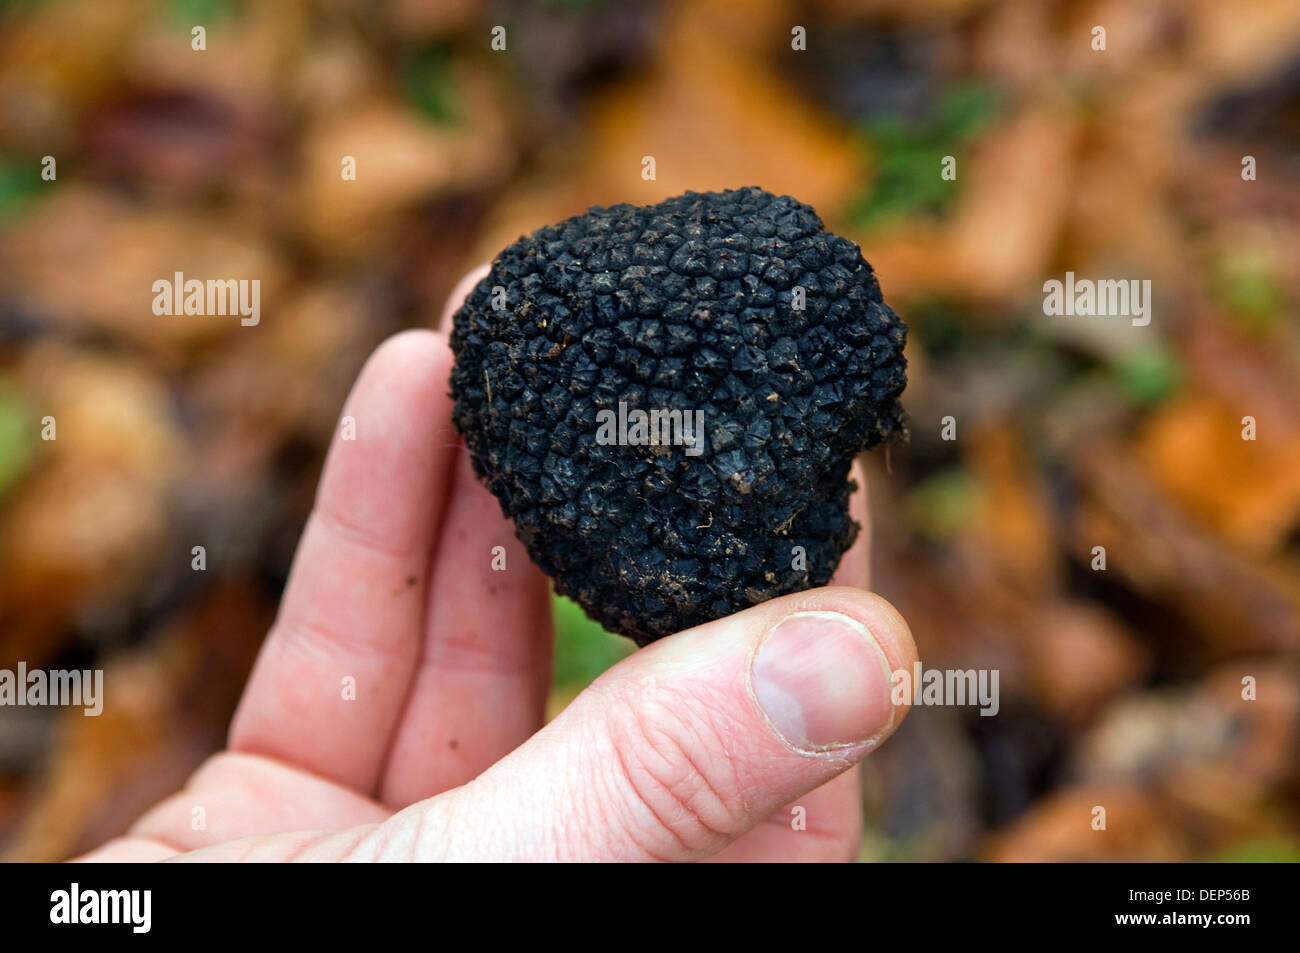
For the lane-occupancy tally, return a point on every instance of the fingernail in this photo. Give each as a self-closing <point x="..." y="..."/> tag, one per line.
<point x="823" y="681"/>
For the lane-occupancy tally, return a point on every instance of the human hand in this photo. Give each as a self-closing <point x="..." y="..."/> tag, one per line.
<point x="737" y="740"/>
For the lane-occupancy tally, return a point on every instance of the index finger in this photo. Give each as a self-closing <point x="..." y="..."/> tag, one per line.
<point x="333" y="675"/>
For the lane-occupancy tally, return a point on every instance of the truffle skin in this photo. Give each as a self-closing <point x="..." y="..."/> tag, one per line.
<point x="685" y="305"/>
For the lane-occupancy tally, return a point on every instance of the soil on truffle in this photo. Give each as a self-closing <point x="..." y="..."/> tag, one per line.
<point x="738" y="305"/>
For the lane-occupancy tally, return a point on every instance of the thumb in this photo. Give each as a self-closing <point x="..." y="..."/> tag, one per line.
<point x="687" y="744"/>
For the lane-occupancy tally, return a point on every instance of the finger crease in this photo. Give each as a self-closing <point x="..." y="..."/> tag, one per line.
<point x="355" y="535"/>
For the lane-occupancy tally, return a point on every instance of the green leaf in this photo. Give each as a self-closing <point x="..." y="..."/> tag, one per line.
<point x="17" y="437"/>
<point x="20" y="179"/>
<point x="908" y="156"/>
<point x="941" y="505"/>
<point x="1149" y="376"/>
<point x="1261" y="851"/>
<point x="582" y="648"/>
<point x="1249" y="287"/>
<point x="966" y="110"/>
<point x="192" y="13"/>
<point x="431" y="85"/>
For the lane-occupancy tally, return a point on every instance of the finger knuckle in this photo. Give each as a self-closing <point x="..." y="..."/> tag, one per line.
<point x="671" y="755"/>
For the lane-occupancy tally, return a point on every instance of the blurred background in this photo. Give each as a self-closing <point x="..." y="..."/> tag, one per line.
<point x="1120" y="687"/>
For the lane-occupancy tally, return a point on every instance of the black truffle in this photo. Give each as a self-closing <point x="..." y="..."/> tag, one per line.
<point x="736" y="310"/>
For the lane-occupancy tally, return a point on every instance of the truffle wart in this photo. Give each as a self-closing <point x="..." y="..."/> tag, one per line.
<point x="735" y="306"/>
